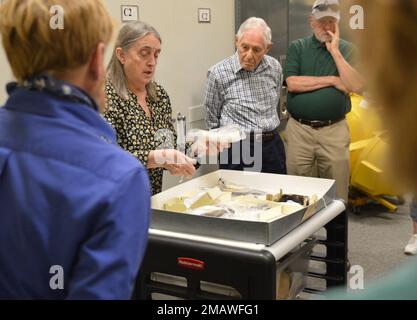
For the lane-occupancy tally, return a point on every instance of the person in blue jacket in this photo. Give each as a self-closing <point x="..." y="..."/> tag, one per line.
<point x="74" y="206"/>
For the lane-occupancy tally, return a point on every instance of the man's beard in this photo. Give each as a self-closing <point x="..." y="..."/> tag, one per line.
<point x="322" y="37"/>
<point x="325" y="38"/>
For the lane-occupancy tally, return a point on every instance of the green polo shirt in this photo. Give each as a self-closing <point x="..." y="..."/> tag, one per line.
<point x="309" y="57"/>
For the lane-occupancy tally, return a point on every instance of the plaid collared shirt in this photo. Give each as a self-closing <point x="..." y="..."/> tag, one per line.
<point x="248" y="99"/>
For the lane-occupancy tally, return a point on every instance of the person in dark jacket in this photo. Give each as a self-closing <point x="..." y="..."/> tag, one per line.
<point x="74" y="206"/>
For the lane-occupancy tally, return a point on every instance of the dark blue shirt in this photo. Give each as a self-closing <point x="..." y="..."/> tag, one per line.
<point x="69" y="197"/>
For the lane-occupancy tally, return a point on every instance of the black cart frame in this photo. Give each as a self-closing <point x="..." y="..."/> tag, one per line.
<point x="251" y="273"/>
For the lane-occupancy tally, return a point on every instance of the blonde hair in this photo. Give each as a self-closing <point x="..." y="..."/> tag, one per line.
<point x="388" y="51"/>
<point x="33" y="47"/>
<point x="128" y="35"/>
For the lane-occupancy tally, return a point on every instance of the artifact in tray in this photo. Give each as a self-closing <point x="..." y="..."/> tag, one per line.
<point x="305" y="201"/>
<point x="235" y="189"/>
<point x="279" y="197"/>
<point x="196" y="199"/>
<point x="231" y="201"/>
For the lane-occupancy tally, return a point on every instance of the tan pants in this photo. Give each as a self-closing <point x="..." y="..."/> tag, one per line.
<point x="327" y="147"/>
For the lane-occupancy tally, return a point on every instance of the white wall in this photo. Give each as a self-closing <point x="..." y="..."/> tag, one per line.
<point x="189" y="48"/>
<point x="5" y="75"/>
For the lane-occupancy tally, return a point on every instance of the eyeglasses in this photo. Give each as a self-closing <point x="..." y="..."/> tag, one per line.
<point x="326" y="6"/>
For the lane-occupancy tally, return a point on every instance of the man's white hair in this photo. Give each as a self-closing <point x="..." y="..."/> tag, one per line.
<point x="256" y="23"/>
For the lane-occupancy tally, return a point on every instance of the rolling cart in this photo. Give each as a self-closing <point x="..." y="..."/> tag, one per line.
<point x="187" y="266"/>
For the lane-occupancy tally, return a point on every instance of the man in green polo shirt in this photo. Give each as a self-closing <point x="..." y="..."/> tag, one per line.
<point x="319" y="76"/>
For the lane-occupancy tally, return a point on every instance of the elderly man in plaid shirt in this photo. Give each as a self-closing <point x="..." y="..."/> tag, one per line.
<point x="244" y="90"/>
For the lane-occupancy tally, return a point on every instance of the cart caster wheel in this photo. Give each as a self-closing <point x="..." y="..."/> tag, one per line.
<point x="356" y="210"/>
<point x="401" y="200"/>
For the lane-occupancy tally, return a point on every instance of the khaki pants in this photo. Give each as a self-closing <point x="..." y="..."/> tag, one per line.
<point x="328" y="147"/>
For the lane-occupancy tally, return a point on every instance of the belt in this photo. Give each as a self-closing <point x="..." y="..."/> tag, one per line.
<point x="263" y="136"/>
<point x="317" y="124"/>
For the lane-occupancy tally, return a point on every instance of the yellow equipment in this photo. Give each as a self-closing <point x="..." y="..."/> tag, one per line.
<point x="368" y="153"/>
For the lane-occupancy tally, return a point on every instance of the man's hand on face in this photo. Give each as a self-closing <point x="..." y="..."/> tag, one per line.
<point x="333" y="45"/>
